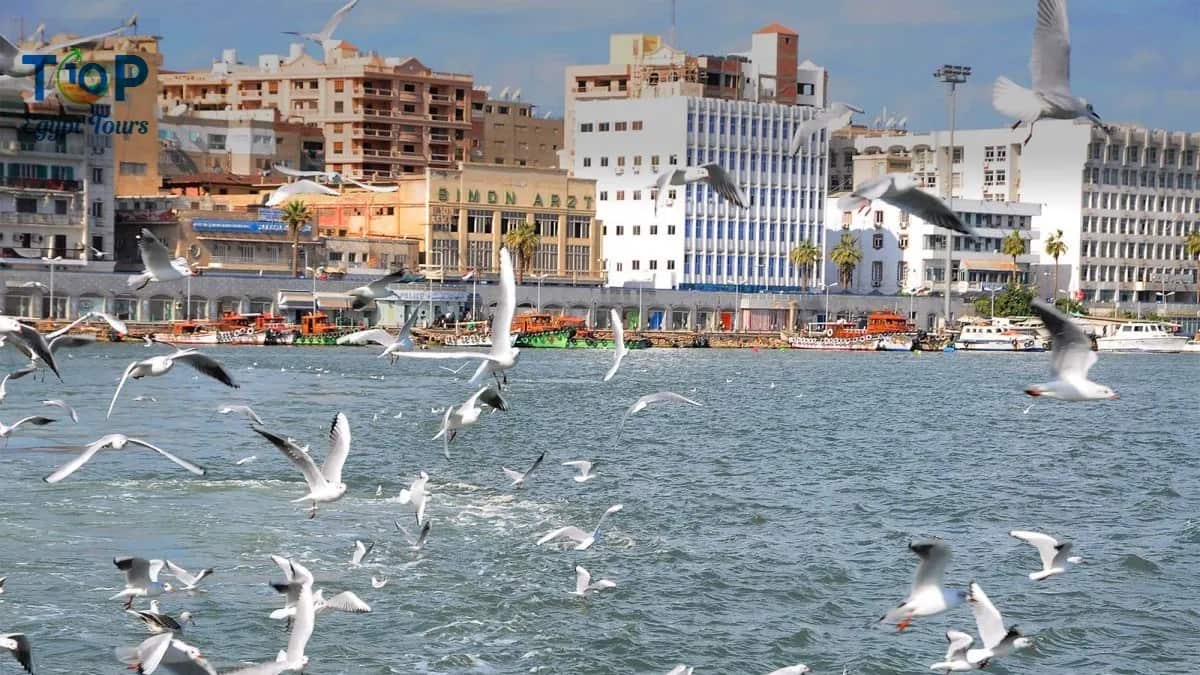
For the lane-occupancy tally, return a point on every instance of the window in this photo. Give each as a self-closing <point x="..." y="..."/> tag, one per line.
<point x="479" y="221"/>
<point x="587" y="161"/>
<point x="619" y="126"/>
<point x="26" y="205"/>
<point x="604" y="195"/>
<point x="637" y="230"/>
<point x="807" y="88"/>
<point x="135" y="168"/>
<point x="653" y="264"/>
<point x="654" y="161"/>
<point x="637" y="160"/>
<point x="603" y="126"/>
<point x="635" y="265"/>
<point x="60" y="207"/>
<point x="579" y="227"/>
<point x="877" y="272"/>
<point x="1133" y="153"/>
<point x="620" y="195"/>
<point x="637" y="195"/>
<point x="636" y="125"/>
<point x="621" y="160"/>
<point x="670" y="230"/>
<point x="97" y="209"/>
<point x="670" y="264"/>
<point x="879" y="219"/>
<point x="603" y="161"/>
<point x="97" y="175"/>
<point x="547" y="226"/>
<point x="653" y="230"/>
<point x="673" y="160"/>
<point x="877" y="241"/>
<point x="903" y="241"/>
<point x="216" y="141"/>
<point x="585" y="128"/>
<point x="619" y="267"/>
<point x="337" y="147"/>
<point x="620" y="230"/>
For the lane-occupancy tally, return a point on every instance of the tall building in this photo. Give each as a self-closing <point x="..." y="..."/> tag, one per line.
<point x="243" y="142"/>
<point x="510" y="132"/>
<point x="382" y="117"/>
<point x="697" y="240"/>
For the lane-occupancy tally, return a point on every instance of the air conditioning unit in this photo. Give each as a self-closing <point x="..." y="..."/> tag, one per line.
<point x="876" y="284"/>
<point x="620" y="170"/>
<point x="637" y="169"/>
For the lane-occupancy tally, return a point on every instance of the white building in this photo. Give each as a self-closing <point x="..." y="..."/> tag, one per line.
<point x="699" y="240"/>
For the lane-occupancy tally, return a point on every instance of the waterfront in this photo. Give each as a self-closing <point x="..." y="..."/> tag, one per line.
<point x="766" y="528"/>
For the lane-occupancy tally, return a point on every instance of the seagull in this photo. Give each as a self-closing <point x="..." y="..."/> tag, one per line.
<point x="585" y="469"/>
<point x="502" y="356"/>
<point x="59" y="403"/>
<point x="901" y="191"/>
<point x="161" y="365"/>
<point x="402" y="342"/>
<point x="141" y="579"/>
<point x="660" y="397"/>
<point x="28" y="336"/>
<point x="927" y="596"/>
<point x="1055" y="554"/>
<point x="324" y="483"/>
<point x="681" y="670"/>
<point x="837" y="116"/>
<point x="243" y="410"/>
<point x="997" y="640"/>
<point x="333" y="178"/>
<point x="158" y="263"/>
<point x="454" y="370"/>
<point x="361" y="551"/>
<point x="2" y="580"/>
<point x="157" y="622"/>
<point x="4" y="387"/>
<point x="376" y="582"/>
<point x="292" y="590"/>
<point x="415" y="494"/>
<point x="583" y="582"/>
<point x="36" y="420"/>
<point x="518" y="478"/>
<point x="301" y="612"/>
<point x="12" y="59"/>
<point x="619" y="350"/>
<point x="140" y="398"/>
<point x="418" y="543"/>
<point x="956" y="653"/>
<point x="363" y="295"/>
<point x="1071" y="357"/>
<point x="325" y="36"/>
<point x="467" y="414"/>
<point x="1050" y="65"/>
<point x="583" y="540"/>
<point x="166" y="650"/>
<point x="287" y="191"/>
<point x="798" y="669"/>
<point x="18" y="644"/>
<point x="116" y="442"/>
<point x="189" y="580"/>
<point x="714" y="175"/>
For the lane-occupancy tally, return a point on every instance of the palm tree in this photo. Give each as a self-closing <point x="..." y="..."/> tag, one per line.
<point x="1192" y="246"/>
<point x="1056" y="247"/>
<point x="296" y="214"/>
<point x="1013" y="246"/>
<point x="523" y="240"/>
<point x="803" y="256"/>
<point x="846" y="255"/>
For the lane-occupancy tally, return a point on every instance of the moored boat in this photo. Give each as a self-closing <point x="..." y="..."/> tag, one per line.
<point x="886" y="331"/>
<point x="1144" y="336"/>
<point x="992" y="338"/>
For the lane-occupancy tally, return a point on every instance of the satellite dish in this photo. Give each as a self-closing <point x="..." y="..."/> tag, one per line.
<point x="902" y="123"/>
<point x="503" y="95"/>
<point x="516" y="95"/>
<point x="891" y="123"/>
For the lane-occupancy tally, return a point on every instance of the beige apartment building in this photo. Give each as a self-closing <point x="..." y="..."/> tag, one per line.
<point x="242" y="142"/>
<point x="381" y="117"/>
<point x="510" y="132"/>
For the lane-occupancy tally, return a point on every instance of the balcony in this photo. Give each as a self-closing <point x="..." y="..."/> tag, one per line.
<point x="374" y="91"/>
<point x="439" y="138"/>
<point x="48" y="219"/>
<point x="435" y="157"/>
<point x="55" y="184"/>
<point x="250" y="93"/>
<point x="438" y="118"/>
<point x="440" y="98"/>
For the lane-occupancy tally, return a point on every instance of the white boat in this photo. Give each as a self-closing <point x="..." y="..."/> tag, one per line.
<point x="896" y="343"/>
<point x="473" y="340"/>
<point x="989" y="338"/>
<point x="857" y="344"/>
<point x="1143" y="336"/>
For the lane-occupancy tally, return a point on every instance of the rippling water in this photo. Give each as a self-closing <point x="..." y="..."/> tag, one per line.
<point x="764" y="529"/>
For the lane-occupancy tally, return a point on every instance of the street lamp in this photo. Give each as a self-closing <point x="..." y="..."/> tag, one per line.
<point x="313" y="274"/>
<point x="50" y="261"/>
<point x="953" y="76"/>
<point x="539" y="278"/>
<point x="827" y="287"/>
<point x="992" y="290"/>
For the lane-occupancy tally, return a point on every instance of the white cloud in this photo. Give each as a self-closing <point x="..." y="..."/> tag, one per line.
<point x="1142" y="60"/>
<point x="926" y="12"/>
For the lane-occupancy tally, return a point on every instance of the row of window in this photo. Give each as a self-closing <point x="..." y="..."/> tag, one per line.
<point x="480" y="256"/>
<point x="636" y="230"/>
<point x="1135" y="178"/>
<point x="636" y="265"/>
<point x="1138" y="250"/>
<point x="1134" y="154"/>
<point x="745" y="232"/>
<point x="1135" y="202"/>
<point x="738" y="266"/>
<point x="1138" y="226"/>
<point x="601" y="127"/>
<point x="636" y="160"/>
<point x="1128" y="273"/>
<point x="479" y="221"/>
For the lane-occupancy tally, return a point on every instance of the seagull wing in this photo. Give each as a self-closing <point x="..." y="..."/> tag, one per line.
<point x="376" y="335"/>
<point x="347" y="601"/>
<point x="112" y="321"/>
<point x="490" y="397"/>
<point x="505" y="307"/>
<point x="582" y="579"/>
<point x="569" y="532"/>
<point x="37" y="344"/>
<point x="50" y="49"/>
<point x="71" y="342"/>
<point x="1050" y="62"/>
<point x="987" y="617"/>
<point x="424" y="535"/>
<point x="339" y="448"/>
<point x="379" y="287"/>
<point x="312" y="474"/>
<point x="661" y="397"/>
<point x="72" y="466"/>
<point x="934" y="557"/>
<point x="150" y="652"/>
<point x="722" y="183"/>
<point x="21" y="650"/>
<point x="137" y="570"/>
<point x="36" y="420"/>
<point x="806" y="129"/>
<point x="372" y="188"/>
<point x="332" y="24"/>
<point x="193" y="468"/>
<point x="927" y="207"/>
<point x="155" y="256"/>
<point x="583" y="466"/>
<point x="619" y="342"/>
<point x="1071" y="349"/>
<point x="514" y="476"/>
<point x="536" y="463"/>
<point x="182" y="574"/>
<point x="207" y="365"/>
<point x="661" y="185"/>
<point x="959" y="642"/>
<point x="295" y="173"/>
<point x="59" y="403"/>
<point x="1046" y="545"/>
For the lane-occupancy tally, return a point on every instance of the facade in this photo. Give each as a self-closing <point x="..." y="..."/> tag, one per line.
<point x="697" y="240"/>
<point x="509" y="132"/>
<point x="381" y="117"/>
<point x="245" y="142"/>
<point x="844" y="162"/>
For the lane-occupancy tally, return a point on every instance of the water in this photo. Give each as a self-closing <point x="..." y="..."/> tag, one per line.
<point x="764" y="529"/>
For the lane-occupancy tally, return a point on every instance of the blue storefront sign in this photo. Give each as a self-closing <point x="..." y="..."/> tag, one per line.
<point x="246" y="226"/>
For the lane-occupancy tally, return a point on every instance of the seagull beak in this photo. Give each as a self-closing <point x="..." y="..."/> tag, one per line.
<point x="1115" y="396"/>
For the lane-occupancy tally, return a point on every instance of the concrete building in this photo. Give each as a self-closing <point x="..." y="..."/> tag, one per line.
<point x="244" y="142"/>
<point x="382" y="117"/>
<point x="697" y="240"/>
<point x="510" y="132"/>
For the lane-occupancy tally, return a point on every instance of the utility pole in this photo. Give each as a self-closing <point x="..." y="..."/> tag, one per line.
<point x="953" y="76"/>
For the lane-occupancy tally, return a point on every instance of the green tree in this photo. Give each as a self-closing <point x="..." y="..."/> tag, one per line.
<point x="846" y="255"/>
<point x="1055" y="248"/>
<point x="804" y="256"/>
<point x="1012" y="246"/>
<point x="1192" y="246"/>
<point x="1069" y="305"/>
<point x="1012" y="301"/>
<point x="296" y="214"/>
<point x="523" y="240"/>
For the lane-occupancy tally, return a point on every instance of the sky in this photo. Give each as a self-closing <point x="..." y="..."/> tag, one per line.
<point x="1135" y="60"/>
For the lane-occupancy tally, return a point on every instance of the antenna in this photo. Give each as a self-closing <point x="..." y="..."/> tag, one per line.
<point x="673" y="25"/>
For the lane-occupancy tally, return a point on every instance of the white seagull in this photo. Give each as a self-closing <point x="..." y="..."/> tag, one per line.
<point x="167" y="651"/>
<point x="376" y="582"/>
<point x="364" y="295"/>
<point x="244" y="410"/>
<point x="415" y="494"/>
<point x="141" y="579"/>
<point x="467" y="414"/>
<point x="998" y="641"/>
<point x="66" y="407"/>
<point x="418" y="543"/>
<point x="302" y="613"/>
<point x="157" y="622"/>
<point x="12" y="330"/>
<point x="161" y="365"/>
<point x="189" y="580"/>
<point x="324" y="482"/>
<point x="583" y="583"/>
<point x="158" y="263"/>
<point x="619" y="350"/>
<point x="714" y="175"/>
<point x="660" y="397"/>
<point x="401" y="342"/>
<point x="1050" y="64"/>
<point x="798" y="669"/>
<point x="18" y="644"/>
<point x="956" y="653"/>
<point x="4" y="387"/>
<point x="502" y="355"/>
<point x="361" y="551"/>
<point x="927" y="597"/>
<point x="1055" y="554"/>
<point x="837" y="116"/>
<point x="325" y="35"/>
<point x="583" y="540"/>
<point x="116" y="442"/>
<point x="901" y="191"/>
<point x="285" y="192"/>
<point x="585" y="469"/>
<point x="333" y="178"/>
<point x="12" y="59"/>
<point x="681" y="670"/>
<point x="518" y="479"/>
<point x="293" y="589"/>
<point x="36" y="420"/>
<point x="1071" y="357"/>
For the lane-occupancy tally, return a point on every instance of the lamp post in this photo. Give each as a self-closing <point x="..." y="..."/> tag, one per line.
<point x="737" y="303"/>
<point x="540" y="278"/>
<point x="953" y="76"/>
<point x="50" y="261"/>
<point x="827" y="287"/>
<point x="992" y="291"/>
<point x="313" y="274"/>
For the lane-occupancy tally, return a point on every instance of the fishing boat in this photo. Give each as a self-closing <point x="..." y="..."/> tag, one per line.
<point x="1144" y="336"/>
<point x="857" y="344"/>
<point x="317" y="330"/>
<point x="886" y="331"/>
<point x="995" y="338"/>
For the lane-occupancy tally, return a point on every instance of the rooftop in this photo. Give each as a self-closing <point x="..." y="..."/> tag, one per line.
<point x="776" y="28"/>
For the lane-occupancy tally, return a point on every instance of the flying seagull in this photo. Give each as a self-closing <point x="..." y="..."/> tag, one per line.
<point x="364" y="295"/>
<point x="325" y="35"/>
<point x="998" y="641"/>
<point x="167" y="651"/>
<point x="333" y="178"/>
<point x="583" y="540"/>
<point x="158" y="263"/>
<point x="401" y="342"/>
<point x="660" y="397"/>
<point x="583" y="583"/>
<point x="1071" y="357"/>
<point x="243" y="410"/>
<point x="927" y="597"/>
<point x="619" y="350"/>
<point x="901" y="191"/>
<point x="419" y="542"/>
<point x="467" y="414"/>
<point x="189" y="580"/>
<point x="798" y="669"/>
<point x="161" y="365"/>
<point x="376" y="582"/>
<point x="956" y="653"/>
<point x="12" y="59"/>
<point x="837" y="116"/>
<point x="116" y="442"/>
<point x="1050" y="64"/>
<point x="36" y="420"/>
<point x="157" y="622"/>
<point x="714" y="175"/>
<point x="59" y="403"/>
<point x="361" y="551"/>
<point x="415" y="495"/>
<point x="518" y="478"/>
<point x="585" y="469"/>
<point x="141" y="579"/>
<point x="301" y="613"/>
<point x="324" y="483"/>
<point x="287" y="191"/>
<point x="1055" y="554"/>
<point x="20" y="333"/>
<point x="18" y="644"/>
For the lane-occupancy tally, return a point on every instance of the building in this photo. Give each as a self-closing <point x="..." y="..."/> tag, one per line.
<point x="697" y="240"/>
<point x="510" y="132"/>
<point x="844" y="162"/>
<point x="245" y="142"/>
<point x="644" y="66"/>
<point x="381" y="117"/>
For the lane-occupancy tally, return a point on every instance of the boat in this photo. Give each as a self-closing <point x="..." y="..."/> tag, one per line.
<point x="896" y="343"/>
<point x="1144" y="336"/>
<point x="861" y="344"/>
<point x="886" y="331"/>
<point x="996" y="338"/>
<point x="540" y="330"/>
<point x="316" y="329"/>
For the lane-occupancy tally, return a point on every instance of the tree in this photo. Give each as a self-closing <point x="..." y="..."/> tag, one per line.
<point x="1012" y="301"/>
<point x="296" y="214"/>
<point x="846" y="255"/>
<point x="1192" y="246"/>
<point x="523" y="240"/>
<point x="1013" y="246"/>
<point x="1056" y="247"/>
<point x="804" y="256"/>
